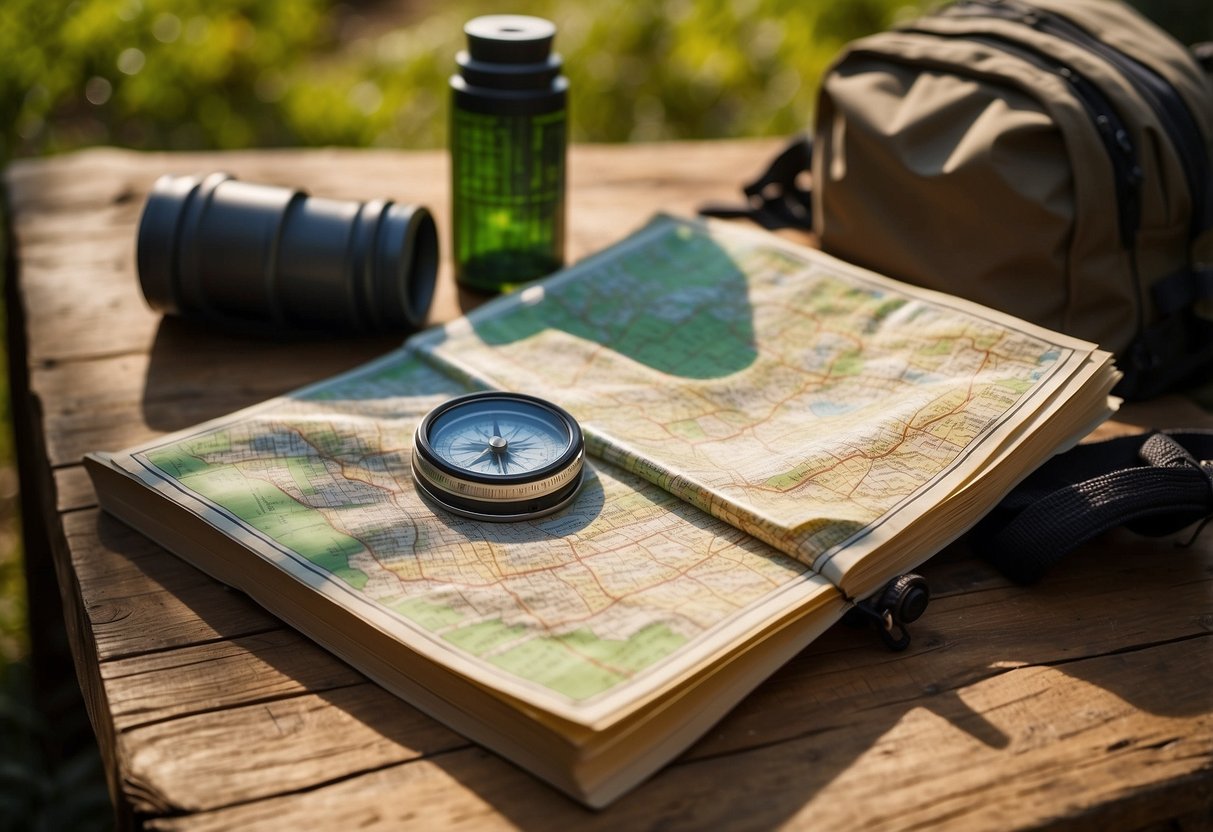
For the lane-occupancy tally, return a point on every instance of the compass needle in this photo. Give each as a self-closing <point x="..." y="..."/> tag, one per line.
<point x="479" y="456"/>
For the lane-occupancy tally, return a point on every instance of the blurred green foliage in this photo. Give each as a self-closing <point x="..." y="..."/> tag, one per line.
<point x="148" y="74"/>
<point x="232" y="73"/>
<point x="183" y="74"/>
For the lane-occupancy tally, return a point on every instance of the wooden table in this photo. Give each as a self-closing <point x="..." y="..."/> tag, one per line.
<point x="1084" y="702"/>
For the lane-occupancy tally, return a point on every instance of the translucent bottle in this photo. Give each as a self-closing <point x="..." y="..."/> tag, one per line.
<point x="509" y="106"/>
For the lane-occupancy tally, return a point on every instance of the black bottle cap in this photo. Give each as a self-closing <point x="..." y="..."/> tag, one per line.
<point x="510" y="38"/>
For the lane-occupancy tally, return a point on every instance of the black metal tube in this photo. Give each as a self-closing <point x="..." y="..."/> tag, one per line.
<point x="223" y="250"/>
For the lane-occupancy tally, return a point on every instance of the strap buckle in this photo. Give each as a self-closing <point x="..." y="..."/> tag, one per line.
<point x="902" y="601"/>
<point x="775" y="199"/>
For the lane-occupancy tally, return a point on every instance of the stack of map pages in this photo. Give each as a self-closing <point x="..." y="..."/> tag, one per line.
<point x="772" y="435"/>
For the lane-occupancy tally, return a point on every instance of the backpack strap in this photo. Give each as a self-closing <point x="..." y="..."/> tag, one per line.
<point x="776" y="199"/>
<point x="1153" y="485"/>
<point x="1180" y="333"/>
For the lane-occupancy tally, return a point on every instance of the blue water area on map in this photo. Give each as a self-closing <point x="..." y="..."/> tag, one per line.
<point x="825" y="409"/>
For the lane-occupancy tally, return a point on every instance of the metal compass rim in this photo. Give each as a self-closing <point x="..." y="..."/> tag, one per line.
<point x="504" y="494"/>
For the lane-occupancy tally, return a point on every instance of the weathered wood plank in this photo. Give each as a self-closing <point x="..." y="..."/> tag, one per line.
<point x="1013" y="746"/>
<point x="222" y="674"/>
<point x="114" y="402"/>
<point x="284" y="745"/>
<point x="1116" y="594"/>
<point x="73" y="489"/>
<point x="969" y="636"/>
<point x="139" y="599"/>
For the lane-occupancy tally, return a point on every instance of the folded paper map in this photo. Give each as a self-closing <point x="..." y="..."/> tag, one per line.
<point x="773" y="434"/>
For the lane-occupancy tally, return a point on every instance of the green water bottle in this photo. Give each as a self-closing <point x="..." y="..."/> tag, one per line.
<point x="509" y="108"/>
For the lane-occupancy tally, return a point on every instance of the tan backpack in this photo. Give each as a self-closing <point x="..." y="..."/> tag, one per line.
<point x="1052" y="159"/>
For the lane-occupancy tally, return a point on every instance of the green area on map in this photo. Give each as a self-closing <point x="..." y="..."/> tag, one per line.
<point x="263" y="506"/>
<point x="626" y="307"/>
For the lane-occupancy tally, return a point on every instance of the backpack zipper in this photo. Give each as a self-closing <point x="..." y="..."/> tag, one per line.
<point x="1117" y="141"/>
<point x="1164" y="99"/>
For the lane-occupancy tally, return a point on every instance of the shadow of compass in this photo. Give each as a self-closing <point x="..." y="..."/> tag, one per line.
<point x="574" y="518"/>
<point x="675" y="301"/>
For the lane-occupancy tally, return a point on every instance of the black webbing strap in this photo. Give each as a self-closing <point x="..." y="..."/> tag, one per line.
<point x="776" y="199"/>
<point x="1153" y="485"/>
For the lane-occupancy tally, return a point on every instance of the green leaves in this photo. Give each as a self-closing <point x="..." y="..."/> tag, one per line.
<point x="234" y="73"/>
<point x="149" y="73"/>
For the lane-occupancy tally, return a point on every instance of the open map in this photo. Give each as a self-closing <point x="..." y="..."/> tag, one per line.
<point x="805" y="401"/>
<point x="739" y="397"/>
<point x="624" y="589"/>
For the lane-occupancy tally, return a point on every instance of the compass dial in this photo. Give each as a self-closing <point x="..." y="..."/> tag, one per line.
<point x="493" y="437"/>
<point x="498" y="456"/>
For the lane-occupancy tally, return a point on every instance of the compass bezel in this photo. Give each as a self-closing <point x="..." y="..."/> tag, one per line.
<point x="509" y="496"/>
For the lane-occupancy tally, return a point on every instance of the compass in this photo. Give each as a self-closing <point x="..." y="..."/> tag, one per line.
<point x="498" y="456"/>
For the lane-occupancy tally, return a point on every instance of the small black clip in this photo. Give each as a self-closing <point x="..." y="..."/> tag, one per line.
<point x="902" y="601"/>
<point x="776" y="199"/>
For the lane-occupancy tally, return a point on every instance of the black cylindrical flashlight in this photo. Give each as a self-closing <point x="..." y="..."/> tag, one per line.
<point x="226" y="251"/>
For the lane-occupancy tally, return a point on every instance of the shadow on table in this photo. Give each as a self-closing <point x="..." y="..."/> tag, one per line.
<point x="693" y="321"/>
<point x="846" y="733"/>
<point x="196" y="372"/>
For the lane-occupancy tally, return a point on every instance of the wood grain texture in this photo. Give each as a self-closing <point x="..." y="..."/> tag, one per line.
<point x="1082" y="703"/>
<point x="977" y="762"/>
